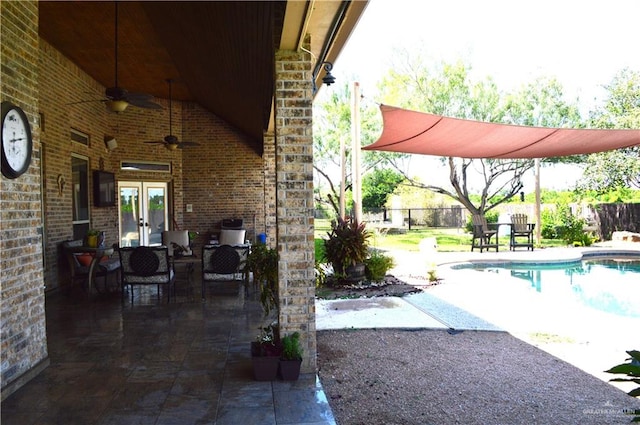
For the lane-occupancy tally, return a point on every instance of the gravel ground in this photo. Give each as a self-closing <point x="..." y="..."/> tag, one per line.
<point x="423" y="377"/>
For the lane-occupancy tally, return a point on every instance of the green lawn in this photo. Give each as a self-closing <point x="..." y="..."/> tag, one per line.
<point x="449" y="240"/>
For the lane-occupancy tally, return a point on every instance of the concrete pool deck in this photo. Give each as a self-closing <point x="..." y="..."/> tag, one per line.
<point x="439" y="307"/>
<point x="468" y="303"/>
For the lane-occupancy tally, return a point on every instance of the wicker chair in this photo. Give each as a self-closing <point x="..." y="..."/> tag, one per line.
<point x="224" y="263"/>
<point x="146" y="265"/>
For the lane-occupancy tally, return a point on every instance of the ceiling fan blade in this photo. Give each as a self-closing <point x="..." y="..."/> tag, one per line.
<point x="141" y="103"/>
<point x="157" y="142"/>
<point x="85" y="101"/>
<point x="189" y="144"/>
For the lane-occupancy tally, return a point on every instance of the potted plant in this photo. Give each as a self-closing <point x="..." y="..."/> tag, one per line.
<point x="262" y="262"/>
<point x="265" y="354"/>
<point x="92" y="238"/>
<point x="291" y="357"/>
<point x="347" y="248"/>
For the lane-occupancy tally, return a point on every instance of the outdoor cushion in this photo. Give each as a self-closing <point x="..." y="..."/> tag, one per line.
<point x="144" y="261"/>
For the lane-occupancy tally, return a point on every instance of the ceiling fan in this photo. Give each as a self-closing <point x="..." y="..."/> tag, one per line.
<point x="171" y="142"/>
<point x="117" y="98"/>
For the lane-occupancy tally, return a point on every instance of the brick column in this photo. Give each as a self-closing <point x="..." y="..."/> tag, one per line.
<point x="269" y="169"/>
<point x="24" y="343"/>
<point x="294" y="199"/>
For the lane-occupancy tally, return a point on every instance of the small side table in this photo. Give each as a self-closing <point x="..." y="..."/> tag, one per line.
<point x="97" y="253"/>
<point x="189" y="261"/>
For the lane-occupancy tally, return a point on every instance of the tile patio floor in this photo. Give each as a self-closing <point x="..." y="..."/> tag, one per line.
<point x="183" y="363"/>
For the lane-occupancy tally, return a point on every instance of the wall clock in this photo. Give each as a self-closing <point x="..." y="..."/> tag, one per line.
<point x="16" y="141"/>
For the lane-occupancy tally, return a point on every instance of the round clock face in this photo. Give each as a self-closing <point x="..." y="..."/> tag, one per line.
<point x="16" y="141"/>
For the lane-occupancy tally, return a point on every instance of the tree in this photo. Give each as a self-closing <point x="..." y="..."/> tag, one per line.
<point x="448" y="90"/>
<point x="378" y="185"/>
<point x="605" y="171"/>
<point x="332" y="123"/>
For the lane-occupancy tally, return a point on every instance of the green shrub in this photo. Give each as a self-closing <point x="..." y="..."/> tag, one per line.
<point x="562" y="224"/>
<point x="291" y="348"/>
<point x="377" y="266"/>
<point x="632" y="370"/>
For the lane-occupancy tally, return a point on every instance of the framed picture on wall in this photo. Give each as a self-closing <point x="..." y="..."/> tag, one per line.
<point x="104" y="189"/>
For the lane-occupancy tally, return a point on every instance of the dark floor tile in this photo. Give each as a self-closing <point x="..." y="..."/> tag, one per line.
<point x="155" y="363"/>
<point x="234" y="415"/>
<point x="199" y="384"/>
<point x="185" y="410"/>
<point x="302" y="406"/>
<point x="142" y="396"/>
<point x="117" y="417"/>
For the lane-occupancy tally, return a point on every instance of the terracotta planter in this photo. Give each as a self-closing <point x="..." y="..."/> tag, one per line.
<point x="290" y="369"/>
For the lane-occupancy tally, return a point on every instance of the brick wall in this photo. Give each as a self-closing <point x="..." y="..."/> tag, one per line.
<point x="221" y="178"/>
<point x="23" y="343"/>
<point x="294" y="199"/>
<point x="224" y="177"/>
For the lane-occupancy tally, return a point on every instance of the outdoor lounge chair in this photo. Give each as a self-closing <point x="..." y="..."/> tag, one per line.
<point x="521" y="232"/>
<point x="224" y="263"/>
<point x="146" y="265"/>
<point x="482" y="234"/>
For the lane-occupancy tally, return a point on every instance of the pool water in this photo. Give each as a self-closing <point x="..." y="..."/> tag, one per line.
<point x="610" y="285"/>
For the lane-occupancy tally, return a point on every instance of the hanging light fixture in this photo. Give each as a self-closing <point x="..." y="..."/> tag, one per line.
<point x="328" y="78"/>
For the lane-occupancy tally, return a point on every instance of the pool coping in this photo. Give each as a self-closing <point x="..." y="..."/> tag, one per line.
<point x="548" y="256"/>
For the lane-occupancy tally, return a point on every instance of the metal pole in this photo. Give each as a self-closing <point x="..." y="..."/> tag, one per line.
<point x="537" y="208"/>
<point x="355" y="152"/>
<point x="343" y="177"/>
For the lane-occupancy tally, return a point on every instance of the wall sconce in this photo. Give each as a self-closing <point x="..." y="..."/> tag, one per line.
<point x="328" y="78"/>
<point x="110" y="143"/>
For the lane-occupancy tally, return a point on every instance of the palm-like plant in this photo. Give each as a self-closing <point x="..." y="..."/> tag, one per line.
<point x="347" y="245"/>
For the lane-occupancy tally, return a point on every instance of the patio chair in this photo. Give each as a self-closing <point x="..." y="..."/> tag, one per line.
<point x="146" y="265"/>
<point x="224" y="263"/>
<point x="521" y="232"/>
<point x="173" y="239"/>
<point x="482" y="234"/>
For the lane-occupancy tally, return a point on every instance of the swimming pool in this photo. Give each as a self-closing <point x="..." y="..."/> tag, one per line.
<point x="605" y="284"/>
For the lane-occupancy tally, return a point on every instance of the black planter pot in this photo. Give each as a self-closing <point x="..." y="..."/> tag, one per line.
<point x="265" y="365"/>
<point x="290" y="369"/>
<point x="265" y="368"/>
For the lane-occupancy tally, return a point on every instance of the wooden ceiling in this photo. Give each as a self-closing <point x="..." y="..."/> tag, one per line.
<point x="219" y="53"/>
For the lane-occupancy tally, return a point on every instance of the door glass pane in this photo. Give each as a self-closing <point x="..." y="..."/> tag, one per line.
<point x="129" y="216"/>
<point x="156" y="213"/>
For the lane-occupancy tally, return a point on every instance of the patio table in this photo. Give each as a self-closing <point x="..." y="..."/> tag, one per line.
<point x="97" y="254"/>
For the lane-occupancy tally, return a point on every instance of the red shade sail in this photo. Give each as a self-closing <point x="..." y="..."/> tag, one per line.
<point x="418" y="132"/>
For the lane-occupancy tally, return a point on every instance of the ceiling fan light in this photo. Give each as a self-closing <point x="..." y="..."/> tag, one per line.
<point x="172" y="146"/>
<point x="117" y="106"/>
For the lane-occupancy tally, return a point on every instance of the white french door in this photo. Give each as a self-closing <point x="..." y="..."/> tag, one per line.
<point x="143" y="213"/>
